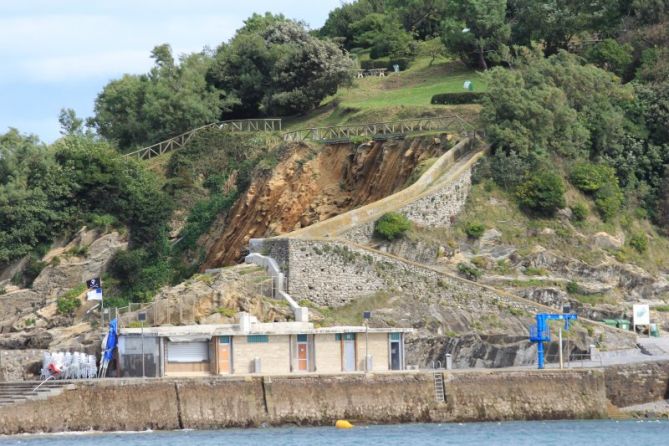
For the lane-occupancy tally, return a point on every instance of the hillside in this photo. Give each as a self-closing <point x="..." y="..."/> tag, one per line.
<point x="559" y="197"/>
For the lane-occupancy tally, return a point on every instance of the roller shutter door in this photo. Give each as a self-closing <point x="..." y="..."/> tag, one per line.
<point x="187" y="352"/>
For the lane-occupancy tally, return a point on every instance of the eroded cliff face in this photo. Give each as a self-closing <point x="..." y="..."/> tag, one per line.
<point x="312" y="184"/>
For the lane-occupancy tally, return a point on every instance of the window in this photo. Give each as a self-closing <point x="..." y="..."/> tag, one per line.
<point x="257" y="339"/>
<point x="224" y="339"/>
<point x="395" y="336"/>
<point x="345" y="336"/>
<point x="301" y="338"/>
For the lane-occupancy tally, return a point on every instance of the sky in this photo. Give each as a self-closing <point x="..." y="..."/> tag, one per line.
<point x="60" y="53"/>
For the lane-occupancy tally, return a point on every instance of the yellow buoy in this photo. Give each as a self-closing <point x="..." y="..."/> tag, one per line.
<point x="343" y="424"/>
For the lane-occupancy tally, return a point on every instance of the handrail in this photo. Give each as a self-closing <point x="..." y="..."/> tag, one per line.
<point x="332" y="133"/>
<point x="177" y="142"/>
<point x="403" y="126"/>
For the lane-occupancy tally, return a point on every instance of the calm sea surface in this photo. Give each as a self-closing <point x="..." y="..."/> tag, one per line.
<point x="563" y="433"/>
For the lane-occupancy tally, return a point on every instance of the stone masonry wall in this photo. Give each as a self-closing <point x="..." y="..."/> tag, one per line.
<point x="436" y="209"/>
<point x="333" y="273"/>
<point x="631" y="384"/>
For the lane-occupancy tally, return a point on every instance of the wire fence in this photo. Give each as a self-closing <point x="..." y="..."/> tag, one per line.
<point x="187" y="309"/>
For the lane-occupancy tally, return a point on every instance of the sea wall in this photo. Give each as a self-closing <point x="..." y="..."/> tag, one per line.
<point x="209" y="403"/>
<point x="631" y="384"/>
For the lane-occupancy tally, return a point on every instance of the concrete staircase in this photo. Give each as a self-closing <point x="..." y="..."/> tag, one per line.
<point x="20" y="391"/>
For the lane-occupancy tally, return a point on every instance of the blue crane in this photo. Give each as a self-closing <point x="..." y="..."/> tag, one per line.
<point x="541" y="332"/>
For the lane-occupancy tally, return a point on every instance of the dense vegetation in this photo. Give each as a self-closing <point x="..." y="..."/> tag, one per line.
<point x="48" y="192"/>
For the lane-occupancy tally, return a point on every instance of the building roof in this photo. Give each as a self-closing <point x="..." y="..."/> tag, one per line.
<point x="273" y="328"/>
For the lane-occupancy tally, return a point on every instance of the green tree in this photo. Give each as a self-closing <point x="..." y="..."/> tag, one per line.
<point x="339" y="21"/>
<point x="421" y="17"/>
<point x="610" y="55"/>
<point x="555" y="23"/>
<point x="280" y="69"/>
<point x="70" y="124"/>
<point x="476" y="30"/>
<point x="171" y="99"/>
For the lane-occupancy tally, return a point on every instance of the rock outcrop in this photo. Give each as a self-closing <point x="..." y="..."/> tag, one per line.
<point x="308" y="186"/>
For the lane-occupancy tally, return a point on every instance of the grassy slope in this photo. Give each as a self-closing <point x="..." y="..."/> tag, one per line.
<point x="398" y="96"/>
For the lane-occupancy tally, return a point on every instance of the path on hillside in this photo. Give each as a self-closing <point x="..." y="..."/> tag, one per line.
<point x="447" y="169"/>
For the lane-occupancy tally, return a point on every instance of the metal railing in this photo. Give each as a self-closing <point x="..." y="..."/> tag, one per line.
<point x="179" y="141"/>
<point x="343" y="132"/>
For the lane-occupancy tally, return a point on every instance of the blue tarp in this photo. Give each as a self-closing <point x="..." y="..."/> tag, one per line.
<point x="112" y="340"/>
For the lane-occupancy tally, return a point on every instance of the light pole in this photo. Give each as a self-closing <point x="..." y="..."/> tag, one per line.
<point x="141" y="317"/>
<point x="366" y="315"/>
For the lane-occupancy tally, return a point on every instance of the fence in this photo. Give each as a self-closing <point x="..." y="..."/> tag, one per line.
<point x="186" y="310"/>
<point x="344" y="132"/>
<point x="340" y="133"/>
<point x="179" y="141"/>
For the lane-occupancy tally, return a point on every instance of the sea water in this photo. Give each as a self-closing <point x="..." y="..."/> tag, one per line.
<point x="544" y="433"/>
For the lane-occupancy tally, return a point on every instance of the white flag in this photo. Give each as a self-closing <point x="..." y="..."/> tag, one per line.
<point x="95" y="294"/>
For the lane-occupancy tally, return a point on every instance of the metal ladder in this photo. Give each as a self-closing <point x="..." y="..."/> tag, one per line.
<point x="439" y="394"/>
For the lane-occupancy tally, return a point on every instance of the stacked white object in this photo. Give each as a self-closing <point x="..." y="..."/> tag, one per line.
<point x="68" y="365"/>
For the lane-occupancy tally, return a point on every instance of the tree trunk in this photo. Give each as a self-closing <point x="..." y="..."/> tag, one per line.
<point x="482" y="63"/>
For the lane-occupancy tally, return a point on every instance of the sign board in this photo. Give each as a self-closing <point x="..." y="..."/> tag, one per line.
<point x="94" y="294"/>
<point x="367" y="315"/>
<point x="93" y="283"/>
<point x="141" y="317"/>
<point x="641" y="314"/>
<point x="566" y="309"/>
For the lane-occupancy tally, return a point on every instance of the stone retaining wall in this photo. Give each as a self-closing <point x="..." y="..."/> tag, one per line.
<point x="211" y="403"/>
<point x="436" y="209"/>
<point x="333" y="273"/>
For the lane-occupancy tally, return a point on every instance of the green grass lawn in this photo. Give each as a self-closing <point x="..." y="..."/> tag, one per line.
<point x="397" y="96"/>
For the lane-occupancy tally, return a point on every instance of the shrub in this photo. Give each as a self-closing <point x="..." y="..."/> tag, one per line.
<point x="227" y="311"/>
<point x="480" y="262"/>
<point x="579" y="212"/>
<point x="608" y="200"/>
<point x="572" y="287"/>
<point x="474" y="230"/>
<point x="391" y="226"/>
<point x="373" y="64"/>
<point x="589" y="178"/>
<point x="542" y="192"/>
<point x="469" y="271"/>
<point x="457" y="98"/>
<point x="68" y="303"/>
<point x="639" y="242"/>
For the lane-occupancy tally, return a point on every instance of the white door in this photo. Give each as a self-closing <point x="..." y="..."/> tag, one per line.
<point x="349" y="353"/>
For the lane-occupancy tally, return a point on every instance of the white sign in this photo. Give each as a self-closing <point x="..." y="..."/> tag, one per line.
<point x="641" y="314"/>
<point x="95" y="294"/>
